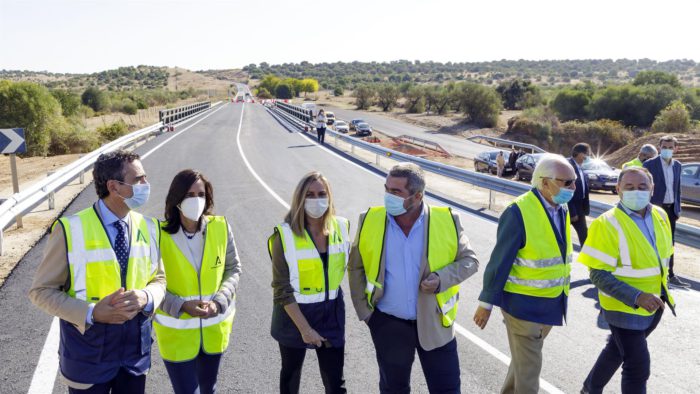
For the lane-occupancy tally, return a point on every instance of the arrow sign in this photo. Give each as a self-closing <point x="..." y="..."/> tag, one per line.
<point x="12" y="141"/>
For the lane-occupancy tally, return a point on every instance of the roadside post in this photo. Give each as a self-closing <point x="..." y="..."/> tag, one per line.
<point x="12" y="142"/>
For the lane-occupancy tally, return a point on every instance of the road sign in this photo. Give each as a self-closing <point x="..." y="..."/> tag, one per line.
<point x="12" y="141"/>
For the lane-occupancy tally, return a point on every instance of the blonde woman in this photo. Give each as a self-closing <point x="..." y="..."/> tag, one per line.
<point x="309" y="252"/>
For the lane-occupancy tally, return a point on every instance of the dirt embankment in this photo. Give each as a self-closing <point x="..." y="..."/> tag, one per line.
<point x="688" y="149"/>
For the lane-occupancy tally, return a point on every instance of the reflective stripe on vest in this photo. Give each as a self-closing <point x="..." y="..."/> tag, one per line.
<point x="539" y="270"/>
<point x="442" y="250"/>
<point x="181" y="338"/>
<point x="94" y="268"/>
<point x="616" y="244"/>
<point x="306" y="272"/>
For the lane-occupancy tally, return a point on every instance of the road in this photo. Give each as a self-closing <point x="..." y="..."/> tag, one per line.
<point x="454" y="144"/>
<point x="254" y="165"/>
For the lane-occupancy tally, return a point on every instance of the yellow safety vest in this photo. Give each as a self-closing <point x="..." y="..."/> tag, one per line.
<point x="616" y="244"/>
<point x="306" y="273"/>
<point x="94" y="268"/>
<point x="180" y="339"/>
<point x="633" y="163"/>
<point x="442" y="251"/>
<point x="539" y="270"/>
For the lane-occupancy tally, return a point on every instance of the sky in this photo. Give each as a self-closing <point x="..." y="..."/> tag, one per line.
<point x="84" y="36"/>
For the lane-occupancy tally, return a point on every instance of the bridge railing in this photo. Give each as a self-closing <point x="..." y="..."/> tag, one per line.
<point x="503" y="143"/>
<point x="172" y="115"/>
<point x="19" y="204"/>
<point x="685" y="234"/>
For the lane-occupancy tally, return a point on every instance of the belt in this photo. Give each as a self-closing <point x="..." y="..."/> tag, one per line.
<point x="392" y="317"/>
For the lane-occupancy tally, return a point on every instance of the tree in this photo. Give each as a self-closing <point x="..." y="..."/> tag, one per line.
<point x="673" y="119"/>
<point x="415" y="100"/>
<point x="94" y="98"/>
<point x="481" y="104"/>
<point x="364" y="95"/>
<point x="263" y="94"/>
<point x="338" y="91"/>
<point x="284" y="91"/>
<point x="571" y="104"/>
<point x="518" y="94"/>
<point x="32" y="107"/>
<point x="308" y="85"/>
<point x="70" y="102"/>
<point x="387" y="95"/>
<point x="656" y="78"/>
<point x="269" y="82"/>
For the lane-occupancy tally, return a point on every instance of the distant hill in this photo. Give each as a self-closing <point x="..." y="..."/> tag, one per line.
<point x="130" y="78"/>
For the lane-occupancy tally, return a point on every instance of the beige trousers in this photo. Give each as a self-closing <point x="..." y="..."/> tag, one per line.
<point x="525" y="340"/>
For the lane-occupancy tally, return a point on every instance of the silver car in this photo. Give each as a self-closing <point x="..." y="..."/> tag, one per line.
<point x="690" y="183"/>
<point x="341" y="126"/>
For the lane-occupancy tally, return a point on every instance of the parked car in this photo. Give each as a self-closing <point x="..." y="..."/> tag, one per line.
<point x="525" y="165"/>
<point x="355" y="122"/>
<point x="600" y="175"/>
<point x="341" y="126"/>
<point x="240" y="99"/>
<point x="690" y="183"/>
<point x="363" y="129"/>
<point x="330" y="118"/>
<point x="486" y="162"/>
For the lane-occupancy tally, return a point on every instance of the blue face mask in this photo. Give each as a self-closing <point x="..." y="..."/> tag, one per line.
<point x="141" y="192"/>
<point x="394" y="204"/>
<point x="636" y="199"/>
<point x="563" y="197"/>
<point x="666" y="154"/>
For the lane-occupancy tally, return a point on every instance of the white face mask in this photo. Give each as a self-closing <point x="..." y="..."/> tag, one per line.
<point x="193" y="207"/>
<point x="315" y="207"/>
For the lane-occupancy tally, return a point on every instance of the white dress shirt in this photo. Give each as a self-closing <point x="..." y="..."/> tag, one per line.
<point x="668" y="179"/>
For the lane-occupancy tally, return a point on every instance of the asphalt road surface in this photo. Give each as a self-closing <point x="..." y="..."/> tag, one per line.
<point x="254" y="164"/>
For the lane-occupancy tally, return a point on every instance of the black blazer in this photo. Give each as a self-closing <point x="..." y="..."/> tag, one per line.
<point x="580" y="203"/>
<point x="657" y="172"/>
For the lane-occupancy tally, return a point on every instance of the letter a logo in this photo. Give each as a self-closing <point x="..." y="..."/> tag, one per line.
<point x="218" y="261"/>
<point x="140" y="237"/>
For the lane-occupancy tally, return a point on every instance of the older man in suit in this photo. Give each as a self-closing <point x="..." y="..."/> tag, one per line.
<point x="579" y="206"/>
<point x="528" y="273"/>
<point x="666" y="172"/>
<point x="405" y="268"/>
<point x="103" y="277"/>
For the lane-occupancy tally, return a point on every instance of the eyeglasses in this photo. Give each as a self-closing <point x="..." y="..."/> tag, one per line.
<point x="566" y="182"/>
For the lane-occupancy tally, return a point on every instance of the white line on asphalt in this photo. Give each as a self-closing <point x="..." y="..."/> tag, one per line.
<point x="546" y="386"/>
<point x="47" y="367"/>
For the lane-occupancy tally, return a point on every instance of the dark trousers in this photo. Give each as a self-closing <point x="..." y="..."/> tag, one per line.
<point x="396" y="341"/>
<point x="629" y="349"/>
<point x="321" y="135"/>
<point x="194" y="376"/>
<point x="670" y="211"/>
<point x="581" y="227"/>
<point x="330" y="363"/>
<point x="123" y="383"/>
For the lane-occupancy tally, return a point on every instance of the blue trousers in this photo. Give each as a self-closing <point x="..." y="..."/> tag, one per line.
<point x="123" y="383"/>
<point x="396" y="342"/>
<point x="197" y="376"/>
<point x="629" y="349"/>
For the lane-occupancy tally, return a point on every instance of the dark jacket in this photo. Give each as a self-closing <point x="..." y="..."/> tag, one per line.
<point x="657" y="172"/>
<point x="509" y="239"/>
<point x="580" y="203"/>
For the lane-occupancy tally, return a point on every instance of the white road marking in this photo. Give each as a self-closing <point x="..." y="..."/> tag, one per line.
<point x="546" y="386"/>
<point x="47" y="367"/>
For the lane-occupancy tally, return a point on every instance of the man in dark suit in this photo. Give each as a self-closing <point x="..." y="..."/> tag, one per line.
<point x="579" y="206"/>
<point x="666" y="172"/>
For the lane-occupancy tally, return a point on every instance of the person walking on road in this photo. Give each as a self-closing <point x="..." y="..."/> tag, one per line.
<point x="646" y="152"/>
<point x="202" y="268"/>
<point x="102" y="276"/>
<point x="580" y="206"/>
<point x="406" y="264"/>
<point x="500" y="164"/>
<point x="321" y="127"/>
<point x="666" y="172"/>
<point x="627" y="252"/>
<point x="309" y="253"/>
<point x="528" y="273"/>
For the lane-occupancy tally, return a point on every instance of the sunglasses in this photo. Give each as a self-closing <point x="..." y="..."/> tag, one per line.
<point x="566" y="182"/>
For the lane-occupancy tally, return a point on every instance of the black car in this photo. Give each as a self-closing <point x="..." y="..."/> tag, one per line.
<point x="363" y="129"/>
<point x="355" y="122"/>
<point x="600" y="175"/>
<point x="525" y="165"/>
<point x="486" y="162"/>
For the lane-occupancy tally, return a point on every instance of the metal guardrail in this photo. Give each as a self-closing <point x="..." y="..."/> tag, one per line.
<point x="685" y="234"/>
<point x="23" y="202"/>
<point x="507" y="143"/>
<point x="424" y="143"/>
<point x="171" y="115"/>
<point x="300" y="113"/>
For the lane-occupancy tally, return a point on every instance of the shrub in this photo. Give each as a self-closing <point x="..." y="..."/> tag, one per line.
<point x="571" y="104"/>
<point x="338" y="91"/>
<point x="113" y="131"/>
<point x="74" y="139"/>
<point x="481" y="104"/>
<point x="95" y="99"/>
<point x="284" y="91"/>
<point x="673" y="119"/>
<point x="129" y="107"/>
<point x="387" y="95"/>
<point x="364" y="95"/>
<point x="656" y="78"/>
<point x="70" y="102"/>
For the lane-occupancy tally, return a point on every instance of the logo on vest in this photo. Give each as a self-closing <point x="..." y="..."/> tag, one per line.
<point x="140" y="237"/>
<point x="217" y="263"/>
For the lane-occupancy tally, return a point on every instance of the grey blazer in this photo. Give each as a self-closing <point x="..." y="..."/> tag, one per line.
<point x="431" y="333"/>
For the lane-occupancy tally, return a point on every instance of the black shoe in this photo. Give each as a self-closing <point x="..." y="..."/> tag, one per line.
<point x="676" y="281"/>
